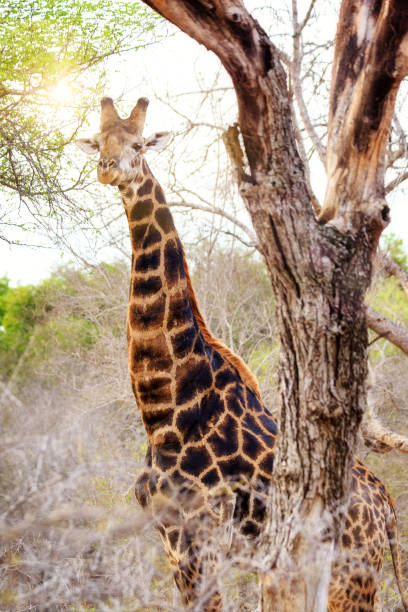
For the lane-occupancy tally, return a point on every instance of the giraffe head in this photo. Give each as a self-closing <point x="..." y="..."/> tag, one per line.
<point x="120" y="143"/>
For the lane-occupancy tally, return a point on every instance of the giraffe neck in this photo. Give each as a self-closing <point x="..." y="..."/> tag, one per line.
<point x="166" y="352"/>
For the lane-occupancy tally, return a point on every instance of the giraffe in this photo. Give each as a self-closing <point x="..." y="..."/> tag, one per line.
<point x="210" y="438"/>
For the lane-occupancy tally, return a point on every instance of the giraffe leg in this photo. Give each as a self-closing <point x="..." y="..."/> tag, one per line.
<point x="195" y="574"/>
<point x="198" y="588"/>
<point x="353" y="588"/>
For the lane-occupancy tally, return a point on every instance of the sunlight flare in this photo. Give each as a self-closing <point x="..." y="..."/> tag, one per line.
<point x="61" y="94"/>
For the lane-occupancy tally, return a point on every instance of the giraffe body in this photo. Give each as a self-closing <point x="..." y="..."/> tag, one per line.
<point x="210" y="439"/>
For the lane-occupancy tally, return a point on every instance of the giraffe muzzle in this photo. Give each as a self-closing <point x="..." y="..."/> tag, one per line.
<point x="107" y="171"/>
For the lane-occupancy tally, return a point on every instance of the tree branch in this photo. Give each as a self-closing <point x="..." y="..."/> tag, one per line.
<point x="295" y="73"/>
<point x="381" y="439"/>
<point x="219" y="211"/>
<point x="391" y="268"/>
<point x="387" y="329"/>
<point x="371" y="59"/>
<point x="396" y="182"/>
<point x="265" y="120"/>
<point x="252" y="61"/>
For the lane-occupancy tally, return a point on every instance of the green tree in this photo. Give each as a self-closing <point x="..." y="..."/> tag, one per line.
<point x="4" y="286"/>
<point x="394" y="247"/>
<point x="19" y="315"/>
<point x="48" y="44"/>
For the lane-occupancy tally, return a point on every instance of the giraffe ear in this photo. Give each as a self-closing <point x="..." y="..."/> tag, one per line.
<point x="157" y="141"/>
<point x="90" y="146"/>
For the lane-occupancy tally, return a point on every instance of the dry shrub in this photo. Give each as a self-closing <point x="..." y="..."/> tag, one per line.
<point x="72" y="443"/>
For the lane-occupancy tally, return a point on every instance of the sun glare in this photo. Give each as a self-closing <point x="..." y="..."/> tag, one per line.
<point x="61" y="93"/>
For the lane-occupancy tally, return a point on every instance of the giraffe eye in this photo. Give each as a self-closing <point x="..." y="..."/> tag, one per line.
<point x="137" y="146"/>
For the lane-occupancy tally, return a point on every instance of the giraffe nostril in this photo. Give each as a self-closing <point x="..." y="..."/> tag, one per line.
<point x="112" y="164"/>
<point x="102" y="164"/>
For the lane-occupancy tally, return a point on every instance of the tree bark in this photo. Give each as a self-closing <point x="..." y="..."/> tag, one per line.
<point x="319" y="271"/>
<point x="369" y="64"/>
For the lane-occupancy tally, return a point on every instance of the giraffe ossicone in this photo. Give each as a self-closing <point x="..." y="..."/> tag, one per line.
<point x="210" y="438"/>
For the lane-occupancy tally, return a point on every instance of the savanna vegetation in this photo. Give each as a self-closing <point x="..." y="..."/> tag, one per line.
<point x="72" y="439"/>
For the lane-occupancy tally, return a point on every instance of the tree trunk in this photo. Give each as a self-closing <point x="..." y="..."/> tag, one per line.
<point x="319" y="292"/>
<point x="320" y="269"/>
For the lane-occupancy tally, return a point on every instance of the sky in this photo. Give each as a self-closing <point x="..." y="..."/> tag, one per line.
<point x="169" y="67"/>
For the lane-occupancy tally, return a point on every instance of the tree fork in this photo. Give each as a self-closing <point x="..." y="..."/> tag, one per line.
<point x="319" y="272"/>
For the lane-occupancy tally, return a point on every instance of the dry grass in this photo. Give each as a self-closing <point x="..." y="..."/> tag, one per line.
<point x="72" y="442"/>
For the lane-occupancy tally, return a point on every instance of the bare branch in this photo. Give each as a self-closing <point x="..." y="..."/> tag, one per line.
<point x="222" y="213"/>
<point x="64" y="517"/>
<point x="381" y="439"/>
<point x="307" y="16"/>
<point x="387" y="329"/>
<point x="295" y="68"/>
<point x="391" y="268"/>
<point x="396" y="182"/>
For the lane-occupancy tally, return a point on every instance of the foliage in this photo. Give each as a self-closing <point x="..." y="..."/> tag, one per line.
<point x="233" y="291"/>
<point x="394" y="247"/>
<point x="30" y="321"/>
<point x="390" y="300"/>
<point x="44" y="40"/>
<point x="4" y="286"/>
<point x="53" y="54"/>
<point x="19" y="317"/>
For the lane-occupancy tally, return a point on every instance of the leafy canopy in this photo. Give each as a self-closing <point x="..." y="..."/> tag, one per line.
<point x="54" y="52"/>
<point x="44" y="40"/>
<point x="31" y="325"/>
<point x="394" y="247"/>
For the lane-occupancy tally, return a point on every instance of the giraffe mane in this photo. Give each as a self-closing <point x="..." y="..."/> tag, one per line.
<point x="248" y="378"/>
